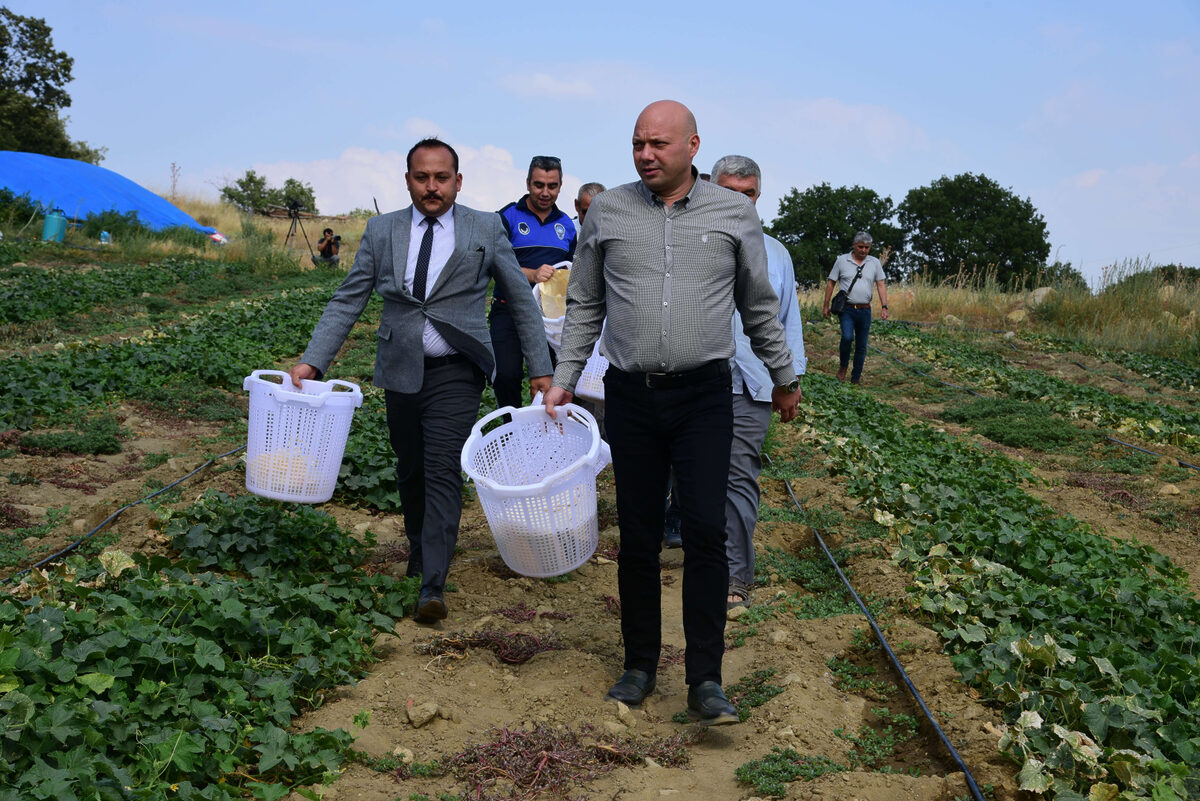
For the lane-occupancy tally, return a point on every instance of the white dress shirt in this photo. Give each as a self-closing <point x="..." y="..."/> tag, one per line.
<point x="443" y="246"/>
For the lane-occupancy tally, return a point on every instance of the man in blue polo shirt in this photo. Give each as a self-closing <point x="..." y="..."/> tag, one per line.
<point x="541" y="236"/>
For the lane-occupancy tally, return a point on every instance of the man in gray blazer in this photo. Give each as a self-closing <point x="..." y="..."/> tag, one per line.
<point x="431" y="262"/>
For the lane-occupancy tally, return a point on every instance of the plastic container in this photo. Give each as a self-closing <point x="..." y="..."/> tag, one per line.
<point x="297" y="437"/>
<point x="553" y="323"/>
<point x="54" y="229"/>
<point x="591" y="380"/>
<point x="536" y="480"/>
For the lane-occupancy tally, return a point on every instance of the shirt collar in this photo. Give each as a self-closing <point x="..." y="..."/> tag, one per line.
<point x="555" y="212"/>
<point x="651" y="197"/>
<point x="445" y="219"/>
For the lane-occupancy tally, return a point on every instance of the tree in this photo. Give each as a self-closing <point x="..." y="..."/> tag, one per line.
<point x="819" y="224"/>
<point x="248" y="193"/>
<point x="970" y="223"/>
<point x="296" y="194"/>
<point x="33" y="79"/>
<point x="251" y="193"/>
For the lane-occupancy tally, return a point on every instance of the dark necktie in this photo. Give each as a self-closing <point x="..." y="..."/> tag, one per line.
<point x="422" y="271"/>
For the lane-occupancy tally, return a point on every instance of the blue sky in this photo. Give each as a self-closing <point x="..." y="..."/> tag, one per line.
<point x="1090" y="109"/>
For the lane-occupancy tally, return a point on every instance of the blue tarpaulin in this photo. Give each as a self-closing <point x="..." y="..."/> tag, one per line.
<point x="80" y="189"/>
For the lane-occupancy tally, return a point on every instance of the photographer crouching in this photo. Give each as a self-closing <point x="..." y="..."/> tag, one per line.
<point x="327" y="248"/>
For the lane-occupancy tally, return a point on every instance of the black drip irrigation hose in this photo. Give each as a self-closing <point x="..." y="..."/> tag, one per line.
<point x="891" y="655"/>
<point x="115" y="515"/>
<point x="1152" y="453"/>
<point x="907" y="366"/>
<point x="1087" y="369"/>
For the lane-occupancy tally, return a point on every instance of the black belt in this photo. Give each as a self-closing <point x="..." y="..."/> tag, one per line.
<point x="442" y="361"/>
<point x="684" y="378"/>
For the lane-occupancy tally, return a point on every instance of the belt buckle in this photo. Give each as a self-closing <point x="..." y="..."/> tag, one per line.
<point x="650" y="379"/>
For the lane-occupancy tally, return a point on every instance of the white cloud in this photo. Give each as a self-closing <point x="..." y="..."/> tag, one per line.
<point x="1192" y="162"/>
<point x="829" y="122"/>
<point x="1127" y="212"/>
<point x="1089" y="178"/>
<point x="358" y="177"/>
<point x="542" y="85"/>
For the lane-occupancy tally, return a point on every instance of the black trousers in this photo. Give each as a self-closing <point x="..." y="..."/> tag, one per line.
<point x="652" y="431"/>
<point x="510" y="360"/>
<point x="428" y="430"/>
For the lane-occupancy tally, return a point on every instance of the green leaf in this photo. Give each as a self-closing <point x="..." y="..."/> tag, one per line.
<point x="96" y="682"/>
<point x="272" y="748"/>
<point x="1106" y="667"/>
<point x="208" y="654"/>
<point x="1033" y="776"/>
<point x="187" y="749"/>
<point x="272" y="792"/>
<point x="58" y="722"/>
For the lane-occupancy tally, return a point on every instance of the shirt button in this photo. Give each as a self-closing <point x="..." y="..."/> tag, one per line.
<point x="664" y="304"/>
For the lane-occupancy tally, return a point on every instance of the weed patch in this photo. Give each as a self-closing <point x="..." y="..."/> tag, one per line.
<point x="513" y="648"/>
<point x="752" y="691"/>
<point x="101" y="434"/>
<point x="859" y="679"/>
<point x="1017" y="424"/>
<point x="522" y="765"/>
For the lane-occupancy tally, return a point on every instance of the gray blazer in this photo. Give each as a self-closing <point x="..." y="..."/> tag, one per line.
<point x="455" y="305"/>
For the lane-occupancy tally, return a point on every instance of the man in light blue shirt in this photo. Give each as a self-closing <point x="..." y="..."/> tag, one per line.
<point x="752" y="391"/>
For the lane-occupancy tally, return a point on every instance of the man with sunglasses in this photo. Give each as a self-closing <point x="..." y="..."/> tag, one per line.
<point x="541" y="236"/>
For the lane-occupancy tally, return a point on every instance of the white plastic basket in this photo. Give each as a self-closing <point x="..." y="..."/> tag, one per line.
<point x="536" y="480"/>
<point x="297" y="436"/>
<point x="591" y="380"/>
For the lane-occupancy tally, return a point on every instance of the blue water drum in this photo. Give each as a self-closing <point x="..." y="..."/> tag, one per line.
<point x="55" y="227"/>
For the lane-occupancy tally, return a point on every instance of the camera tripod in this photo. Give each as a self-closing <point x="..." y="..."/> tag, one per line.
<point x="293" y="210"/>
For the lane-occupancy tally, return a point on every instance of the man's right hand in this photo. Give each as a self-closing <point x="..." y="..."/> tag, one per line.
<point x="544" y="273"/>
<point x="302" y="371"/>
<point x="557" y="396"/>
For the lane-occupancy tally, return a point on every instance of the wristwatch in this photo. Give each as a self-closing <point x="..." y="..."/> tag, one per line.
<point x="791" y="386"/>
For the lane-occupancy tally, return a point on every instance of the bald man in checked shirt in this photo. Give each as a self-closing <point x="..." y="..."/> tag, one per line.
<point x="668" y="259"/>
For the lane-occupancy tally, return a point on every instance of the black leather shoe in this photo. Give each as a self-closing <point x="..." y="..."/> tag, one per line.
<point x="671" y="536"/>
<point x="430" y="609"/>
<point x="632" y="688"/>
<point x="708" y="706"/>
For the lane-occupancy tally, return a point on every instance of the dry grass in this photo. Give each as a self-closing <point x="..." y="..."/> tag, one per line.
<point x="1133" y="309"/>
<point x="250" y="234"/>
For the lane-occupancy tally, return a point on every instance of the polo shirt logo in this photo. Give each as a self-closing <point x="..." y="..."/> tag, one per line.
<point x="562" y="232"/>
<point x="523" y="228"/>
